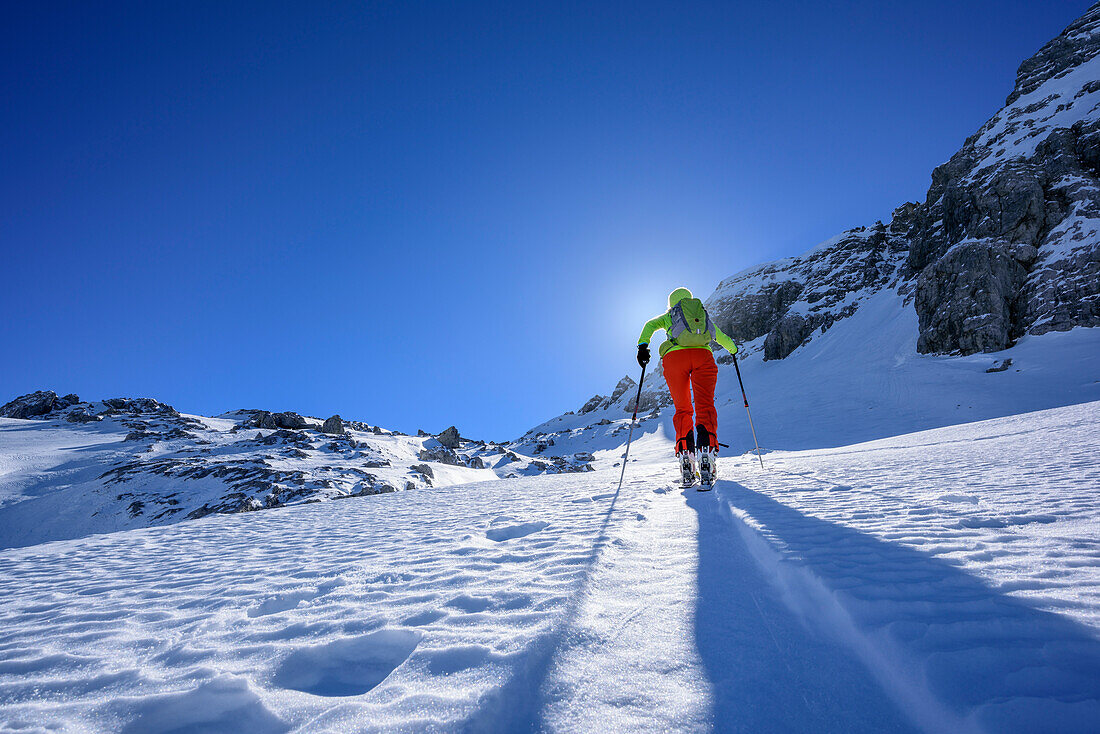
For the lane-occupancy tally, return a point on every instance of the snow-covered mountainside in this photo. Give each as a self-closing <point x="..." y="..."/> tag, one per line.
<point x="1006" y="243"/>
<point x="1005" y="248"/>
<point x="917" y="549"/>
<point x="943" y="581"/>
<point x="69" y="468"/>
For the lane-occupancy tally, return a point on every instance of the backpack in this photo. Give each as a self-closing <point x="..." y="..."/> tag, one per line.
<point x="691" y="325"/>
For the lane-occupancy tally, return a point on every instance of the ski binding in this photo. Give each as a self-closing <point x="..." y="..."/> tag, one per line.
<point x="708" y="470"/>
<point x="687" y="469"/>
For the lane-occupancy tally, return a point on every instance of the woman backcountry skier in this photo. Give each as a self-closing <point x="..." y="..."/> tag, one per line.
<point x="689" y="367"/>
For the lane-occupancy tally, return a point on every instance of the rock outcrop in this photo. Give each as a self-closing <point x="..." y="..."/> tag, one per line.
<point x="1006" y="242"/>
<point x="333" y="426"/>
<point x="290" y="420"/>
<point x="621" y="389"/>
<point x="968" y="299"/>
<point x="593" y="403"/>
<point x="441" y="455"/>
<point x="36" y="404"/>
<point x="449" y="438"/>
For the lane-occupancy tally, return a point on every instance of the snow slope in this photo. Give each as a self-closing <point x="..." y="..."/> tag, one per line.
<point x="60" y="479"/>
<point x="947" y="580"/>
<point x="865" y="380"/>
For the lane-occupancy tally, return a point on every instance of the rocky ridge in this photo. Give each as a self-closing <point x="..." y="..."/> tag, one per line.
<point x="160" y="466"/>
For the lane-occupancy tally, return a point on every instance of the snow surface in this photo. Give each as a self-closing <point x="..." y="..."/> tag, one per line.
<point x="61" y="480"/>
<point x="946" y="580"/>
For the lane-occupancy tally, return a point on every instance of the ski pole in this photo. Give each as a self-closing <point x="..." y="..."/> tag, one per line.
<point x="630" y="435"/>
<point x="746" y="398"/>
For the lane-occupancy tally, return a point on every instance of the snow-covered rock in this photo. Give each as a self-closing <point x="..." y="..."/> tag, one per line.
<point x="450" y="438"/>
<point x="69" y="468"/>
<point x="1006" y="243"/>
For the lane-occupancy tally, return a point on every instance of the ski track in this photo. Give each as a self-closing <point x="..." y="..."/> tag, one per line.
<point x="939" y="581"/>
<point x="969" y="582"/>
<point x="679" y="631"/>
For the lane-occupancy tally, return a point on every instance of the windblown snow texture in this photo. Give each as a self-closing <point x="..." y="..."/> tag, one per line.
<point x="920" y="552"/>
<point x="947" y="580"/>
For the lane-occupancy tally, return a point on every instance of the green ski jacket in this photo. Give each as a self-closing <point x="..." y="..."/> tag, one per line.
<point x="664" y="321"/>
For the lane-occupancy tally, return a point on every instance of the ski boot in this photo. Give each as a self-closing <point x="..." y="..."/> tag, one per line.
<point x="707" y="449"/>
<point x="685" y="455"/>
<point x="687" y="468"/>
<point x="708" y="469"/>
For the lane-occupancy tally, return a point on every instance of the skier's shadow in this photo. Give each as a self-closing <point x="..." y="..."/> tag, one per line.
<point x="967" y="643"/>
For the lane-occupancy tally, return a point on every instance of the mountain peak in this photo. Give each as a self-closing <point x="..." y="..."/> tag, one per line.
<point x="1069" y="49"/>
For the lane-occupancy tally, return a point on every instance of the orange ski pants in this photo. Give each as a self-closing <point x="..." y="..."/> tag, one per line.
<point x="690" y="371"/>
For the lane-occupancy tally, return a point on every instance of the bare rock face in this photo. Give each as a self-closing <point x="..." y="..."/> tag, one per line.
<point x="593" y="404"/>
<point x="449" y="438"/>
<point x="1072" y="47"/>
<point x="786" y="336"/>
<point x="621" y="389"/>
<point x="264" y="419"/>
<point x="31" y="405"/>
<point x="333" y="426"/>
<point x="967" y="300"/>
<point x="289" y="420"/>
<point x="1027" y="184"/>
<point x="139" y="406"/>
<point x="745" y="314"/>
<point x="442" y="455"/>
<point x="83" y="414"/>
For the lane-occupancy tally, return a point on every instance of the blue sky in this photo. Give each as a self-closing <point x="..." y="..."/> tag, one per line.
<point x="419" y="214"/>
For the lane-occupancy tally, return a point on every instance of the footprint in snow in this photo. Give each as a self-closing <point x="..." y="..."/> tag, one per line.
<point x="290" y="600"/>
<point x="508" y="528"/>
<point x="958" y="498"/>
<point x="423" y="618"/>
<point x="470" y="604"/>
<point x="225" y="703"/>
<point x="451" y="660"/>
<point x="346" y="667"/>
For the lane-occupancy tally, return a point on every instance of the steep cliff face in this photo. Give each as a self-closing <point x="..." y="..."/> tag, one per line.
<point x="1006" y="243"/>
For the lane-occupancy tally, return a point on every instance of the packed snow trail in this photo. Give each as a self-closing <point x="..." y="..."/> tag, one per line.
<point x="679" y="631"/>
<point x="947" y="580"/>
<point x="961" y="564"/>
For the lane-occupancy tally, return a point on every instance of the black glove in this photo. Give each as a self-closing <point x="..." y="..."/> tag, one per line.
<point x="643" y="354"/>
